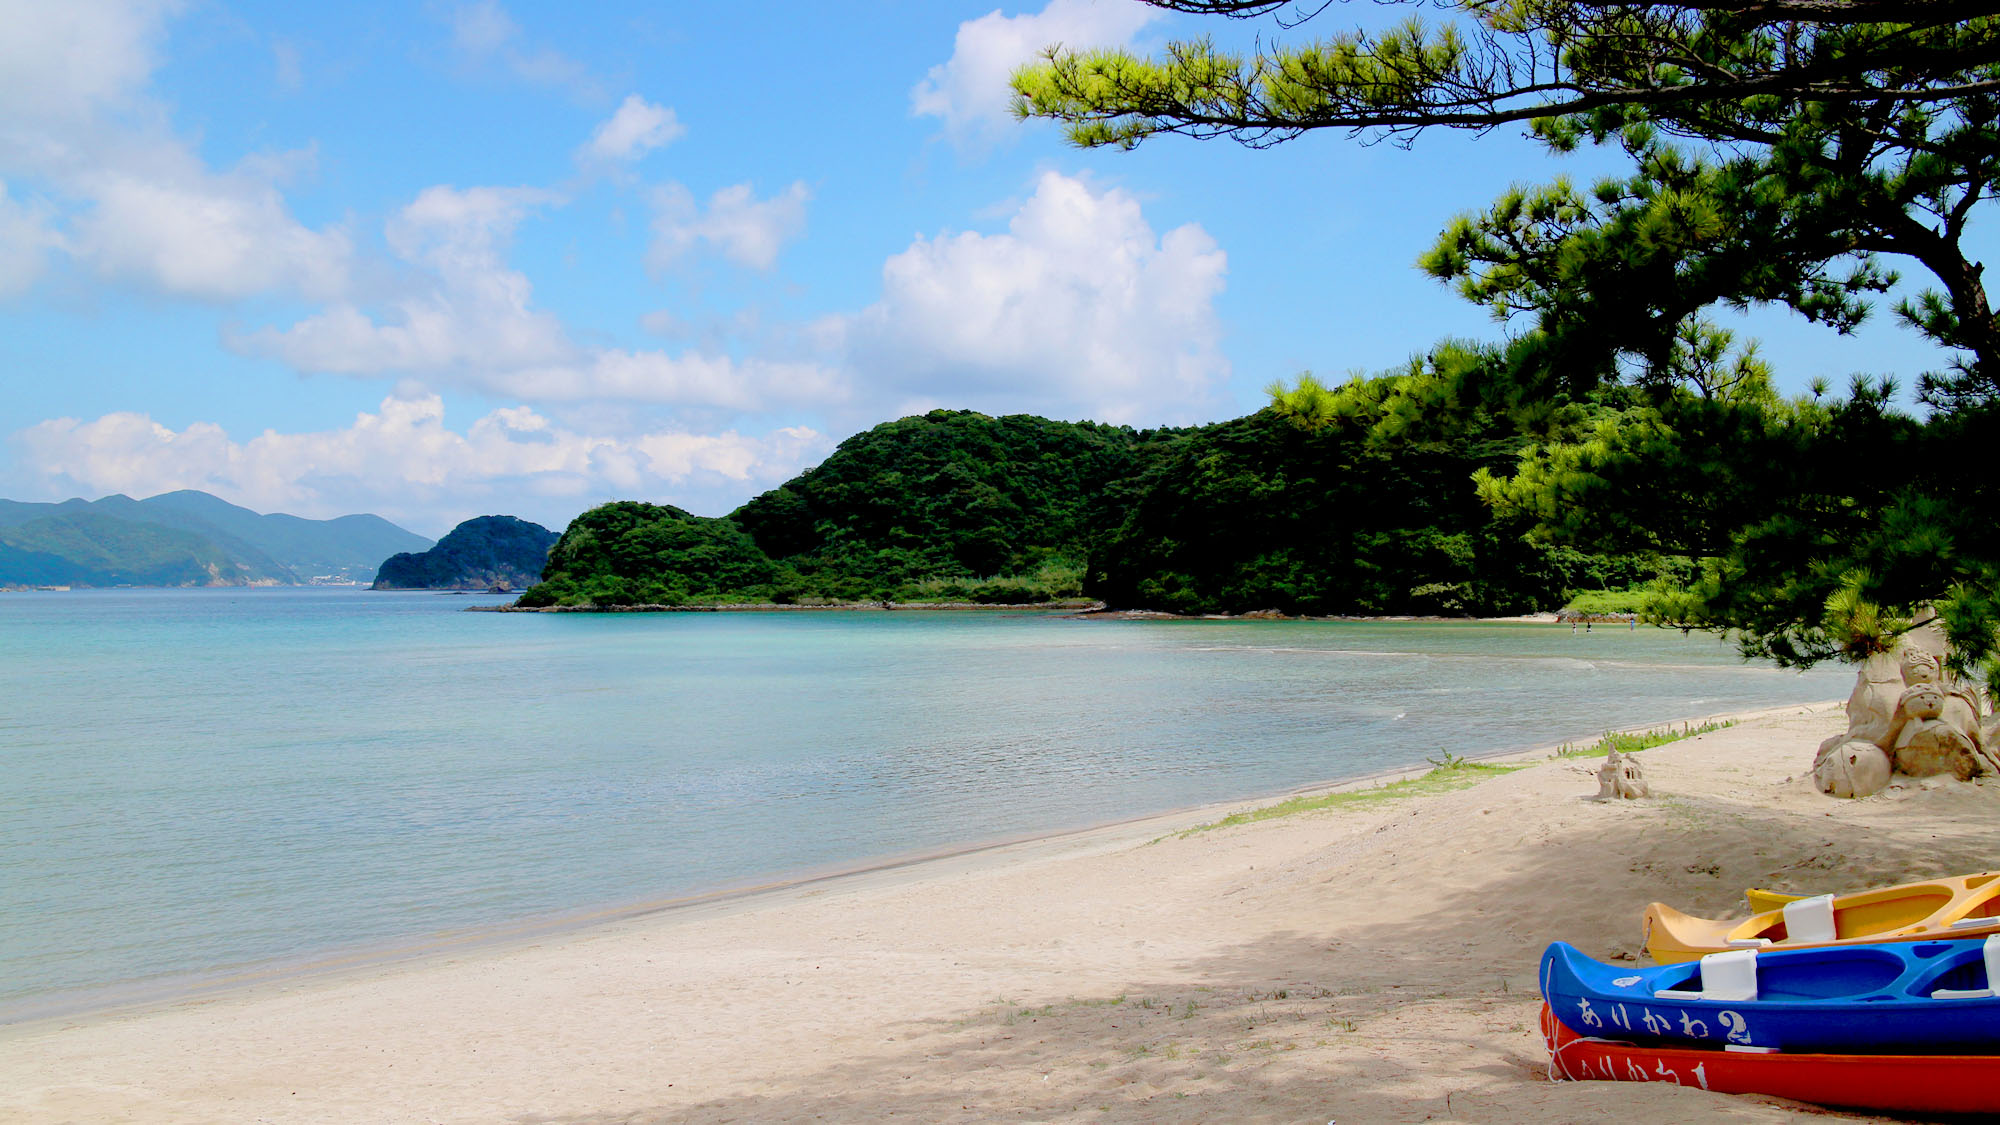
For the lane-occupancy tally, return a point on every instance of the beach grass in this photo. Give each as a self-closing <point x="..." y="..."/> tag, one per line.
<point x="1451" y="772"/>
<point x="1633" y="601"/>
<point x="1446" y="773"/>
<point x="1631" y="742"/>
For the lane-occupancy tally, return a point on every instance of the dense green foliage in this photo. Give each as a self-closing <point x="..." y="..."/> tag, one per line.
<point x="184" y="538"/>
<point x="1259" y="514"/>
<point x="1823" y="523"/>
<point x="1630" y="602"/>
<point x="950" y="506"/>
<point x="1481" y="63"/>
<point x="633" y="553"/>
<point x="1815" y="522"/>
<point x="481" y="553"/>
<point x="953" y="506"/>
<point x="1791" y="522"/>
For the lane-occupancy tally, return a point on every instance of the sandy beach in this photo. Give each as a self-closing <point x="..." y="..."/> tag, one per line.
<point x="1370" y="964"/>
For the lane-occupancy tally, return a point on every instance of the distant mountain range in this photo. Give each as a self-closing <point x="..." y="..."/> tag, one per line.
<point x="187" y="538"/>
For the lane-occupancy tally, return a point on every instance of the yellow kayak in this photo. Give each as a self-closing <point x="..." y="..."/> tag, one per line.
<point x="1958" y="906"/>
<point x="1761" y="900"/>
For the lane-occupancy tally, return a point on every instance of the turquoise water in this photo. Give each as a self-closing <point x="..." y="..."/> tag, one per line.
<point x="203" y="783"/>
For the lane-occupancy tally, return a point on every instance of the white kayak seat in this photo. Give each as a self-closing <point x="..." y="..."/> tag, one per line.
<point x="1990" y="953"/>
<point x="1729" y="976"/>
<point x="1810" y="919"/>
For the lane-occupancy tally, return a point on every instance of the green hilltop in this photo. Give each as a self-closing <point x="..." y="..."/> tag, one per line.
<point x="485" y="552"/>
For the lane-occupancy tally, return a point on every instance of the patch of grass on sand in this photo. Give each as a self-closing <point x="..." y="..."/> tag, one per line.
<point x="1446" y="774"/>
<point x="1646" y="740"/>
<point x="1605" y="603"/>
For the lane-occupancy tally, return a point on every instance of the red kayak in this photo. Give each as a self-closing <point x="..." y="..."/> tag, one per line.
<point x="1901" y="1083"/>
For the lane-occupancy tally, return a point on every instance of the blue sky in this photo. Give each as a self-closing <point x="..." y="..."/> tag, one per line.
<point x="442" y="259"/>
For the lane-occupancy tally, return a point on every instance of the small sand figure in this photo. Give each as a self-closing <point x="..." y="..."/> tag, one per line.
<point x="1961" y="699"/>
<point x="1853" y="768"/>
<point x="1620" y="776"/>
<point x="1927" y="744"/>
<point x="1871" y="709"/>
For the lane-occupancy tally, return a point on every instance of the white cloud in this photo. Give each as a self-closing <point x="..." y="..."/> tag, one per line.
<point x="287" y="66"/>
<point x="746" y="230"/>
<point x="485" y="32"/>
<point x="191" y="233"/>
<point x="469" y="314"/>
<point x="404" y="462"/>
<point x="470" y="321"/>
<point x="970" y="92"/>
<point x="665" y="322"/>
<point x="462" y="228"/>
<point x="126" y="197"/>
<point x="636" y="129"/>
<point x="1078" y="309"/>
<point x="689" y="379"/>
<point x="63" y="63"/>
<point x="25" y="239"/>
<point x="482" y="28"/>
<point x="467" y="333"/>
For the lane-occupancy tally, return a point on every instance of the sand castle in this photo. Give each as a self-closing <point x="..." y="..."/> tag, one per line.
<point x="1621" y="776"/>
<point x="1909" y="716"/>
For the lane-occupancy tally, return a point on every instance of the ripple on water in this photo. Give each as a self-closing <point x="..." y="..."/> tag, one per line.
<point x="206" y="783"/>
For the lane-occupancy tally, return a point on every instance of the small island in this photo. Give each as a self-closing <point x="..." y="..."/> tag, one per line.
<point x="485" y="553"/>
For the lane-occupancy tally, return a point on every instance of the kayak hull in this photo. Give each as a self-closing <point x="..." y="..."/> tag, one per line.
<point x="1853" y="999"/>
<point x="1893" y="1083"/>
<point x="1958" y="906"/>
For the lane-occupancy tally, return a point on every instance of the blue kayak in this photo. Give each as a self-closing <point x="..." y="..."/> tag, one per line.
<point x="1923" y="997"/>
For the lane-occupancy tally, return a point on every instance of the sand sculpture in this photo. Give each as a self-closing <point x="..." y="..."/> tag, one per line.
<point x="1620" y="776"/>
<point x="1908" y="716"/>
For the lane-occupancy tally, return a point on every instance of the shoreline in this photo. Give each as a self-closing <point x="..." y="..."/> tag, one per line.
<point x="1371" y="964"/>
<point x="120" y="999"/>
<point x="1076" y="608"/>
<point x="1072" y="609"/>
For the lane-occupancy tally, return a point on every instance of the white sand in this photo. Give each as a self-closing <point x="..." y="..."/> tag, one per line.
<point x="1367" y="965"/>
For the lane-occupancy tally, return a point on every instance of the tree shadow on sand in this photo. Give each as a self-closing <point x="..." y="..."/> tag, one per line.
<point x="1427" y="1018"/>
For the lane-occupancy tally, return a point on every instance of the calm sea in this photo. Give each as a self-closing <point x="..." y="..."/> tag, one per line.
<point x="216" y="784"/>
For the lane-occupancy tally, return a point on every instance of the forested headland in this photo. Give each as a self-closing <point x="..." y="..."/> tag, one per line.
<point x="1258" y="513"/>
